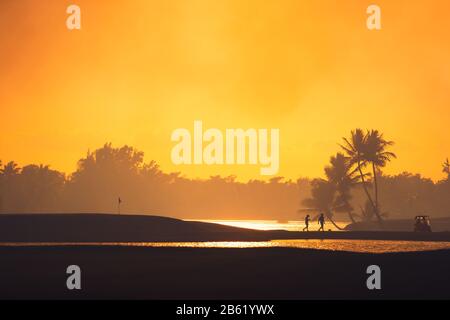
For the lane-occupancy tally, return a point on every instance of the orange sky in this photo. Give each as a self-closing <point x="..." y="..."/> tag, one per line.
<point x="140" y="69"/>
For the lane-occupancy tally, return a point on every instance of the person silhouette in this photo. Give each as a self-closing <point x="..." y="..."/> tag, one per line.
<point x="307" y="218"/>
<point x="321" y="221"/>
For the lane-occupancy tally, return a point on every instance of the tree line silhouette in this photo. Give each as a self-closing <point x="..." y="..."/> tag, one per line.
<point x="351" y="190"/>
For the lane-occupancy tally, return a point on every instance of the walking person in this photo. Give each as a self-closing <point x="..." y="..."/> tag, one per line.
<point x="307" y="218"/>
<point x="321" y="221"/>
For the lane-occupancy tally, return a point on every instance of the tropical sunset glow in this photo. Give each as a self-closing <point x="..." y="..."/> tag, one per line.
<point x="229" y="157"/>
<point x="137" y="70"/>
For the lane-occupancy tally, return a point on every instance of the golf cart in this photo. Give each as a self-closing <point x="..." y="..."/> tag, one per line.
<point x="422" y="224"/>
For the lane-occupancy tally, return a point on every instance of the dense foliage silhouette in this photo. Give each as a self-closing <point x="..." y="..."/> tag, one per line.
<point x="109" y="172"/>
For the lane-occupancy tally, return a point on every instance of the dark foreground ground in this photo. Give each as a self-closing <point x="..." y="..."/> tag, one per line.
<point x="186" y="273"/>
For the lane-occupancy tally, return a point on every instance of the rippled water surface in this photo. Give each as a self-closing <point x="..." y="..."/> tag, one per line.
<point x="368" y="246"/>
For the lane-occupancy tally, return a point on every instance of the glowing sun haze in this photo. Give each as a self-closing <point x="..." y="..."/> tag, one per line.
<point x="137" y="70"/>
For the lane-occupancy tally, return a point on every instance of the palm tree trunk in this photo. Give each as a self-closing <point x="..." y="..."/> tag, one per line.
<point x="349" y="211"/>
<point x="334" y="224"/>
<point x="364" y="185"/>
<point x="332" y="221"/>
<point x="375" y="182"/>
<point x="350" y="215"/>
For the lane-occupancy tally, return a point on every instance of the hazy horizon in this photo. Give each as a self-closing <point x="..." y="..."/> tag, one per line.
<point x="147" y="159"/>
<point x="136" y="71"/>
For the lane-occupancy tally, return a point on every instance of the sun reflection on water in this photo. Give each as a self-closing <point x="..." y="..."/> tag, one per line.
<point x="368" y="246"/>
<point x="364" y="246"/>
<point x="292" y="225"/>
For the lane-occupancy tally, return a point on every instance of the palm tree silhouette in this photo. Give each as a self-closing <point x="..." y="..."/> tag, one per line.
<point x="355" y="148"/>
<point x="369" y="149"/>
<point x="377" y="155"/>
<point x="7" y="181"/>
<point x="10" y="169"/>
<point x="341" y="175"/>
